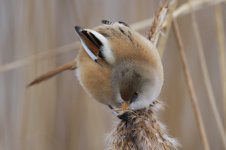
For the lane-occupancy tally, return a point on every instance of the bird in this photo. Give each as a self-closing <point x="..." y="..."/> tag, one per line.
<point x="116" y="66"/>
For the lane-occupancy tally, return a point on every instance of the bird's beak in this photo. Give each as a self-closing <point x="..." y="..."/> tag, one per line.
<point x="124" y="106"/>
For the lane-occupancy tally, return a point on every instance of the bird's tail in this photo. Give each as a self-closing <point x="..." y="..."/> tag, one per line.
<point x="72" y="65"/>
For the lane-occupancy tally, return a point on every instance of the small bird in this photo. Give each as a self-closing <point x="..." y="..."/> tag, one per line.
<point x="117" y="66"/>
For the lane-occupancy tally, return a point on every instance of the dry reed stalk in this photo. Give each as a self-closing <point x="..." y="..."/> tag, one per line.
<point x="141" y="131"/>
<point x="162" y="24"/>
<point x="157" y="23"/>
<point x="221" y="53"/>
<point x="196" y="5"/>
<point x="166" y="27"/>
<point x="181" y="11"/>
<point x="207" y="82"/>
<point x="194" y="100"/>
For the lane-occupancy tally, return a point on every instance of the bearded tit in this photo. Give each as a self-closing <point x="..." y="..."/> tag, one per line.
<point x="118" y="66"/>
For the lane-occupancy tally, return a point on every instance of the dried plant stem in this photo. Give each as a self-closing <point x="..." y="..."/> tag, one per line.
<point x="205" y="73"/>
<point x="163" y="39"/>
<point x="182" y="10"/>
<point x="191" y="90"/>
<point x="196" y="5"/>
<point x="222" y="56"/>
<point x="141" y="131"/>
<point x="161" y="25"/>
<point x="157" y="23"/>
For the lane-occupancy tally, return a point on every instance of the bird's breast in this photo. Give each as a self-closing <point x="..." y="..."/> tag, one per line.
<point x="95" y="78"/>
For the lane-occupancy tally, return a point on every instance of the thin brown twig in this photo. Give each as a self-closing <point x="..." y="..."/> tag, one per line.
<point x="182" y="10"/>
<point x="194" y="99"/>
<point x="205" y="73"/>
<point x="222" y="56"/>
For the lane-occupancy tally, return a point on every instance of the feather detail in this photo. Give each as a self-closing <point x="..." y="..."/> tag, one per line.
<point x="68" y="66"/>
<point x="95" y="45"/>
<point x="89" y="43"/>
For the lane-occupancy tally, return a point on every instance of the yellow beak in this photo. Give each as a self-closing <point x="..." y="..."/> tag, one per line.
<point x="125" y="106"/>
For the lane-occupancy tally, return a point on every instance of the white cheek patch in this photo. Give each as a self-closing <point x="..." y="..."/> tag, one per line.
<point x="106" y="49"/>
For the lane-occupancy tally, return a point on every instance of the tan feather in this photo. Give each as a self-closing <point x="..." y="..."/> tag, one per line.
<point x="72" y="65"/>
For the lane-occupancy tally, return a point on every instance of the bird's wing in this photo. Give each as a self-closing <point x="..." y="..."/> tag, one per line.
<point x="95" y="45"/>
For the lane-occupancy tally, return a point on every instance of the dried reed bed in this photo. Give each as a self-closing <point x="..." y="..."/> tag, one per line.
<point x="31" y="116"/>
<point x="205" y="73"/>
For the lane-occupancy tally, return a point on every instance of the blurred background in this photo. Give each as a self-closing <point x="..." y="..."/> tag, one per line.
<point x="38" y="35"/>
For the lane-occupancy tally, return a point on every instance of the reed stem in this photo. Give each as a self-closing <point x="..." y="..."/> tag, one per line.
<point x="194" y="99"/>
<point x="205" y="73"/>
<point x="221" y="54"/>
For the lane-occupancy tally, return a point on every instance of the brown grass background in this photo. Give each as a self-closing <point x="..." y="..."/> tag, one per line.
<point x="57" y="114"/>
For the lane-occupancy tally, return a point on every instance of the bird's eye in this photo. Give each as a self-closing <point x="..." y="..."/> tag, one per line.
<point x="134" y="97"/>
